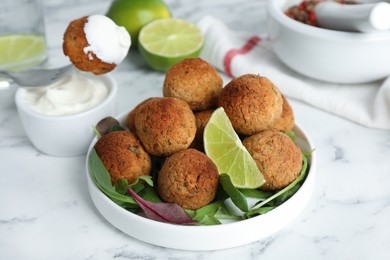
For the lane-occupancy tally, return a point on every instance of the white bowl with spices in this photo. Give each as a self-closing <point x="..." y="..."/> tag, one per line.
<point x="59" y="119"/>
<point x="324" y="54"/>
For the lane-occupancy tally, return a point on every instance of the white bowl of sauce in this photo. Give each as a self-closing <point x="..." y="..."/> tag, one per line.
<point x="59" y="119"/>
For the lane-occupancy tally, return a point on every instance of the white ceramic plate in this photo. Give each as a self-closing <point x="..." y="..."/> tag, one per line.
<point x="207" y="237"/>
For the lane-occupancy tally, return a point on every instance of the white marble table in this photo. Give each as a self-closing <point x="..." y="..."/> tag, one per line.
<point x="46" y="211"/>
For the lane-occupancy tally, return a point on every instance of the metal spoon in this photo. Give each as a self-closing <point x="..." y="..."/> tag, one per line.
<point x="36" y="77"/>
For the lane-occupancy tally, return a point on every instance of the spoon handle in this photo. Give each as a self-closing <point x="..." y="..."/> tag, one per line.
<point x="372" y="1"/>
<point x="369" y="17"/>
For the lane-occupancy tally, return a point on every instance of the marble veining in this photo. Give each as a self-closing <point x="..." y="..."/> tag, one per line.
<point x="46" y="211"/>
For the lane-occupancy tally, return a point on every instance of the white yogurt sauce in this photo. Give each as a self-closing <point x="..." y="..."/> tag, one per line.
<point x="73" y="94"/>
<point x="108" y="41"/>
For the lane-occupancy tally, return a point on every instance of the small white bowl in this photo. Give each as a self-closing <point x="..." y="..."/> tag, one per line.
<point x="328" y="55"/>
<point x="67" y="135"/>
<point x="214" y="237"/>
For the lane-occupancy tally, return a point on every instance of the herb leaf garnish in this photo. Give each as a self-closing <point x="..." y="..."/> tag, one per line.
<point x="102" y="179"/>
<point x="162" y="211"/>
<point x="236" y="196"/>
<point x="142" y="194"/>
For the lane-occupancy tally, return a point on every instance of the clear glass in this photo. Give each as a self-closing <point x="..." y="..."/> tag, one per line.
<point x="22" y="34"/>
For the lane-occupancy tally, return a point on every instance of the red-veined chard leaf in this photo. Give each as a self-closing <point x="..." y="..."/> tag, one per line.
<point x="162" y="211"/>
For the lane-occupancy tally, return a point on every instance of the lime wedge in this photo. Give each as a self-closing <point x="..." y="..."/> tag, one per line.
<point x="164" y="42"/>
<point x="19" y="51"/>
<point x="226" y="150"/>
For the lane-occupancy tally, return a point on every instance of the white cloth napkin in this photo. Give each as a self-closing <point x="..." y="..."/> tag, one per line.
<point x="236" y="53"/>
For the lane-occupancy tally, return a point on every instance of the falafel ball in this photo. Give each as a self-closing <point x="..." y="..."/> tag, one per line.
<point x="201" y="120"/>
<point x="286" y="121"/>
<point x="123" y="156"/>
<point x="194" y="81"/>
<point x="278" y="158"/>
<point x="165" y="125"/>
<point x="188" y="178"/>
<point x="130" y="119"/>
<point x="73" y="47"/>
<point x="252" y="103"/>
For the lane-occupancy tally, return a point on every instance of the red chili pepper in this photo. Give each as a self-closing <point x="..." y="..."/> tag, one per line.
<point x="312" y="17"/>
<point x="303" y="12"/>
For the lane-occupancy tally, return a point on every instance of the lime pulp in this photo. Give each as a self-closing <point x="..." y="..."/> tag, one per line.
<point x="226" y="150"/>
<point x="165" y="42"/>
<point x="21" y="51"/>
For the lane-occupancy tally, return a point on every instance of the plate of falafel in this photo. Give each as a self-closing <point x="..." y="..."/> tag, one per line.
<point x="149" y="175"/>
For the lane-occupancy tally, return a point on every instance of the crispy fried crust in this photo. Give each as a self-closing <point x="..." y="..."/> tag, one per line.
<point x="123" y="156"/>
<point x="286" y="121"/>
<point x="165" y="125"/>
<point x="252" y="103"/>
<point x="73" y="47"/>
<point x="278" y="158"/>
<point x="201" y="120"/>
<point x="188" y="178"/>
<point x="194" y="81"/>
<point x="130" y="119"/>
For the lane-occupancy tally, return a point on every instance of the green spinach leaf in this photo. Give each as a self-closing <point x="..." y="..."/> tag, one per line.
<point x="102" y="179"/>
<point x="236" y="196"/>
<point x="121" y="186"/>
<point x="208" y="220"/>
<point x="256" y="193"/>
<point x="208" y="210"/>
<point x="259" y="211"/>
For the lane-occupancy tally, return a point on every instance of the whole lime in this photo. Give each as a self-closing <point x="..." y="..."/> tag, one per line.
<point x="134" y="14"/>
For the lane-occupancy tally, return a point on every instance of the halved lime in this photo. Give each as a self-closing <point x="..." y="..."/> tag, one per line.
<point x="164" y="42"/>
<point x="224" y="147"/>
<point x="19" y="51"/>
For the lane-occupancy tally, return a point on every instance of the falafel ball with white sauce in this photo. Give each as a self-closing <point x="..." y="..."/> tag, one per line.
<point x="96" y="44"/>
